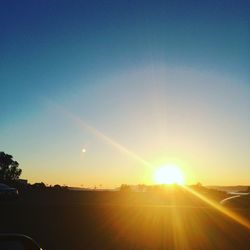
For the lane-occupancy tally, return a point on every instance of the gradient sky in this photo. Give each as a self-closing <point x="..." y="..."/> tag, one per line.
<point x="138" y="84"/>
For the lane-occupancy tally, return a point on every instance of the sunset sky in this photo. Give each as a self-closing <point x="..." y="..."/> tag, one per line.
<point x="106" y="92"/>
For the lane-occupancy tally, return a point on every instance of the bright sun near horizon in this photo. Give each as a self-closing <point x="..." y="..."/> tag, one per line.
<point x="169" y="174"/>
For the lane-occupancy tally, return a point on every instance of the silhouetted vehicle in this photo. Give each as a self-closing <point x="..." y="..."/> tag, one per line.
<point x="17" y="242"/>
<point x="7" y="192"/>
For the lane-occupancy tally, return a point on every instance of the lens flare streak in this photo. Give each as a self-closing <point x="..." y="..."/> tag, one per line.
<point x="231" y="214"/>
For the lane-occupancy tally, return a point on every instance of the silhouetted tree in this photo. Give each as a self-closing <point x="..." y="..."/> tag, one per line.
<point x="9" y="169"/>
<point x="125" y="188"/>
<point x="40" y="186"/>
<point x="57" y="187"/>
<point x="141" y="188"/>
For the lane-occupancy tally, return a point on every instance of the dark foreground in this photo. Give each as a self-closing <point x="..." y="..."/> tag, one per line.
<point x="115" y="220"/>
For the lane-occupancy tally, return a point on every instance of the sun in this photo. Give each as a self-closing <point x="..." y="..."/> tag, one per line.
<point x="169" y="174"/>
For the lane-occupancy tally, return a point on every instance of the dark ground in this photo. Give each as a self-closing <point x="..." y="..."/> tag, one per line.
<point x="116" y="220"/>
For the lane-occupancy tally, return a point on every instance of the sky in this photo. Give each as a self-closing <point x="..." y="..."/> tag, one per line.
<point x="100" y="93"/>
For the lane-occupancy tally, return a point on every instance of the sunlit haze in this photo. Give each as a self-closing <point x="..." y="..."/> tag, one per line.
<point x="93" y="95"/>
<point x="169" y="174"/>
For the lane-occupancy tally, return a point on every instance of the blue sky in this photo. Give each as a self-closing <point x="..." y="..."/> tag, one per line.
<point x="119" y="65"/>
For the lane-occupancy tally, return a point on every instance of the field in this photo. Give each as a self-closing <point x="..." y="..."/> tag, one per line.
<point x="122" y="220"/>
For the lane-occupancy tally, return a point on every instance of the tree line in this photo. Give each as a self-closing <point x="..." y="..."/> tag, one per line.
<point x="10" y="173"/>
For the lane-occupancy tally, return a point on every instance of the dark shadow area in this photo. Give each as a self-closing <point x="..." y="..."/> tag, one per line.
<point x="166" y="218"/>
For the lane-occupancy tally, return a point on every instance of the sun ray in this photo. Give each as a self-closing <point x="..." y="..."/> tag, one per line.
<point x="231" y="214"/>
<point x="82" y="124"/>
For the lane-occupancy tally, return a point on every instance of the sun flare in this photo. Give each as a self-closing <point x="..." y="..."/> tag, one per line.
<point x="169" y="174"/>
